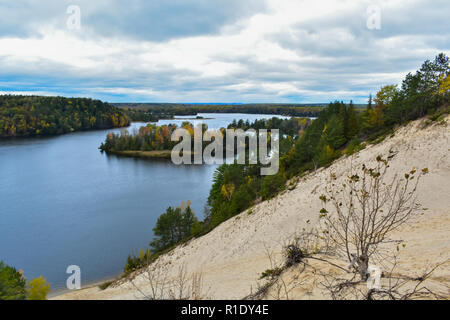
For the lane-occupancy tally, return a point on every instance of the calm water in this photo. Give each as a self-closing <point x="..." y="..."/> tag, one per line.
<point x="62" y="202"/>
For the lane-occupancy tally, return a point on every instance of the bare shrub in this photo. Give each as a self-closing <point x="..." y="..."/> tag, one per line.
<point x="354" y="237"/>
<point x="158" y="286"/>
<point x="366" y="209"/>
<point x="294" y="252"/>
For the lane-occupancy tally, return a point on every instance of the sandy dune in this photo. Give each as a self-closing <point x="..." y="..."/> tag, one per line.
<point x="232" y="257"/>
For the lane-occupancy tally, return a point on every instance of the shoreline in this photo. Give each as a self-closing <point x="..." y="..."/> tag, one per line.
<point x="45" y="136"/>
<point x="155" y="154"/>
<point x="89" y="285"/>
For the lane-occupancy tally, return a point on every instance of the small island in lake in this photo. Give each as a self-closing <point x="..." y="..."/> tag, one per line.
<point x="154" y="141"/>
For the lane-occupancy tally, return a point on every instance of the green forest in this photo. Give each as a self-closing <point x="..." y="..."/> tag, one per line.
<point x="339" y="130"/>
<point x="22" y="116"/>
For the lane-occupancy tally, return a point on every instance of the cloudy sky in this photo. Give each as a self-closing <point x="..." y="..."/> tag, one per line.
<point x="216" y="50"/>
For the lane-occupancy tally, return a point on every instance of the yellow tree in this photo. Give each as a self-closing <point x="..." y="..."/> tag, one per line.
<point x="382" y="100"/>
<point x="38" y="289"/>
<point x="444" y="85"/>
<point x="158" y="138"/>
<point x="385" y="96"/>
<point x="227" y="190"/>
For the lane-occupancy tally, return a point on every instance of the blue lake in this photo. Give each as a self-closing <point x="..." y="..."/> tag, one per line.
<point x="62" y="202"/>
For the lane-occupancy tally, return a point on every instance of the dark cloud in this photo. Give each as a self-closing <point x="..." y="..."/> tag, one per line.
<point x="154" y="20"/>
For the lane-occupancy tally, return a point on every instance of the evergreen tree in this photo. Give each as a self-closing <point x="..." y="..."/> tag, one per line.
<point x="343" y="118"/>
<point x="12" y="283"/>
<point x="333" y="133"/>
<point x="172" y="226"/>
<point x="353" y="125"/>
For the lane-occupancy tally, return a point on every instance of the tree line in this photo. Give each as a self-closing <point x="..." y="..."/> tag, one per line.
<point x="22" y="116"/>
<point x="294" y="110"/>
<point x="143" y="115"/>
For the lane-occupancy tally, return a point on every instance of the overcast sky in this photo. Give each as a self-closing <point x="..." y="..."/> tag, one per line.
<point x="217" y="50"/>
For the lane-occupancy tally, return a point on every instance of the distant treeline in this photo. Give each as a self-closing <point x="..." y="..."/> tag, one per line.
<point x="143" y="115"/>
<point x="36" y="115"/>
<point x="338" y="130"/>
<point x="294" y="110"/>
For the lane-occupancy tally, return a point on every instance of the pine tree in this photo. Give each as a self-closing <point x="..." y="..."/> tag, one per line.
<point x="343" y="117"/>
<point x="353" y="126"/>
<point x="369" y="104"/>
<point x="12" y="283"/>
<point x="334" y="133"/>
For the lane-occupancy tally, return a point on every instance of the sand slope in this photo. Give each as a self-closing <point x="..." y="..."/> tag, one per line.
<point x="232" y="256"/>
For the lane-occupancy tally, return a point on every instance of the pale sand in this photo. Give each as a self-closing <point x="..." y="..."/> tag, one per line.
<point x="233" y="256"/>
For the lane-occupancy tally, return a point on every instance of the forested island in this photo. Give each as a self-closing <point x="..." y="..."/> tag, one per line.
<point x="23" y="116"/>
<point x="153" y="141"/>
